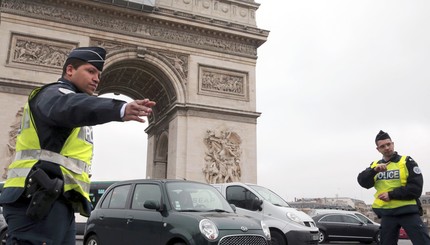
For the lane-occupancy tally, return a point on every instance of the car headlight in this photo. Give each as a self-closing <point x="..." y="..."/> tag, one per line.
<point x="295" y="218"/>
<point x="266" y="230"/>
<point x="208" y="229"/>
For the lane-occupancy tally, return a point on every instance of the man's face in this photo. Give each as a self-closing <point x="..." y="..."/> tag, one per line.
<point x="385" y="147"/>
<point x="86" y="77"/>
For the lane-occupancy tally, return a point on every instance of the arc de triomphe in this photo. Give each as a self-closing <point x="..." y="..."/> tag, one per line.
<point x="195" y="58"/>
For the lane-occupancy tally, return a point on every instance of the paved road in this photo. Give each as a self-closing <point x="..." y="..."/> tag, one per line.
<point x="401" y="242"/>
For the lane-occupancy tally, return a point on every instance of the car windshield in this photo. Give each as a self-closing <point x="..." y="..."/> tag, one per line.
<point x="270" y="196"/>
<point x="196" y="197"/>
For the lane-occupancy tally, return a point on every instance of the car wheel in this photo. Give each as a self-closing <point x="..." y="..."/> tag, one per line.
<point x="3" y="236"/>
<point x="378" y="238"/>
<point x="277" y="238"/>
<point x="323" y="237"/>
<point x="92" y="240"/>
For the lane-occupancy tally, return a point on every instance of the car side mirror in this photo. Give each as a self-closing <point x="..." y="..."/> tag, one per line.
<point x="152" y="204"/>
<point x="256" y="204"/>
<point x="233" y="207"/>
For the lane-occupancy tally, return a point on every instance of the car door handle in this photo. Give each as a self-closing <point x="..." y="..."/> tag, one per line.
<point x="129" y="220"/>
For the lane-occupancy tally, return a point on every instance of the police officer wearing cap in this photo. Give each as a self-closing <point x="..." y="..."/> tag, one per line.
<point x="398" y="182"/>
<point x="49" y="179"/>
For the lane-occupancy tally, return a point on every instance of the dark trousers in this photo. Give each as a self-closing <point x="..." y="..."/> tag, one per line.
<point x="57" y="228"/>
<point x="413" y="225"/>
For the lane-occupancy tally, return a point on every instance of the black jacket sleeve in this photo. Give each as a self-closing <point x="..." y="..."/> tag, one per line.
<point x="60" y="106"/>
<point x="366" y="178"/>
<point x="414" y="185"/>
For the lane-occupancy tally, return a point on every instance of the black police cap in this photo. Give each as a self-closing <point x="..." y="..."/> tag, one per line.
<point x="93" y="55"/>
<point x="382" y="136"/>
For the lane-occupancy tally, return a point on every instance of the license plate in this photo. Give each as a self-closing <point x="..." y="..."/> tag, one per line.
<point x="315" y="237"/>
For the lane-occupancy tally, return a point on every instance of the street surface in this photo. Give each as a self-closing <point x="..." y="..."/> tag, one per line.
<point x="401" y="242"/>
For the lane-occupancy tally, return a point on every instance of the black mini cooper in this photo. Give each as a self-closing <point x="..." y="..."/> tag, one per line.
<point x="170" y="212"/>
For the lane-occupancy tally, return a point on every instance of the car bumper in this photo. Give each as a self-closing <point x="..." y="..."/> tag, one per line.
<point x="302" y="237"/>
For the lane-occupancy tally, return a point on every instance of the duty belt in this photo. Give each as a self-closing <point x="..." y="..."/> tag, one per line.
<point x="72" y="164"/>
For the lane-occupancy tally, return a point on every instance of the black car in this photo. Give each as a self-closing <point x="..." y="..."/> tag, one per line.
<point x="171" y="212"/>
<point x="346" y="227"/>
<point x="3" y="227"/>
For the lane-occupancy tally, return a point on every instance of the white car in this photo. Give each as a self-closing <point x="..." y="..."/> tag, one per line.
<point x="287" y="224"/>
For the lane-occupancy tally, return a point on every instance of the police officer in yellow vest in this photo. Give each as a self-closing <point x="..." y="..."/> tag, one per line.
<point x="398" y="182"/>
<point x="49" y="179"/>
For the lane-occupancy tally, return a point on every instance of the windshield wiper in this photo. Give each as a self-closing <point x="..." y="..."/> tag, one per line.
<point x="189" y="210"/>
<point x="218" y="210"/>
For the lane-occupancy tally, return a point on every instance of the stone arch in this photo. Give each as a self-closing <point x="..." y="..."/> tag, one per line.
<point x="161" y="156"/>
<point x="197" y="63"/>
<point x="140" y="73"/>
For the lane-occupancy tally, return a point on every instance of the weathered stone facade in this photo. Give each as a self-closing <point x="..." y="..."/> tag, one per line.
<point x="195" y="58"/>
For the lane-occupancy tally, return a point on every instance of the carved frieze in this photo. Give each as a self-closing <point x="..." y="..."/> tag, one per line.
<point x="234" y="11"/>
<point x="222" y="158"/>
<point x="224" y="83"/>
<point x="30" y="52"/>
<point x="159" y="30"/>
<point x="110" y="46"/>
<point x="177" y="61"/>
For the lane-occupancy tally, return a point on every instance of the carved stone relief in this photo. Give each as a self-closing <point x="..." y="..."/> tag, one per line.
<point x="177" y="61"/>
<point x="222" y="158"/>
<point x="110" y="46"/>
<point x="10" y="146"/>
<point x="35" y="52"/>
<point x="220" y="82"/>
<point x="138" y="26"/>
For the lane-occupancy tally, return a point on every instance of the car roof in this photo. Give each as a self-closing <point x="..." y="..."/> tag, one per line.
<point x="327" y="211"/>
<point x="133" y="181"/>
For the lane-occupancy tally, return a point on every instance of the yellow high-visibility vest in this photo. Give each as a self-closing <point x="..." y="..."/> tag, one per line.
<point x="74" y="158"/>
<point x="396" y="176"/>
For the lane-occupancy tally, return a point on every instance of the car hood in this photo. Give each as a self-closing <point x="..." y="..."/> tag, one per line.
<point x="230" y="221"/>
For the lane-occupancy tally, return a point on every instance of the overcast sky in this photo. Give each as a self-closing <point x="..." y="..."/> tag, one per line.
<point x="331" y="75"/>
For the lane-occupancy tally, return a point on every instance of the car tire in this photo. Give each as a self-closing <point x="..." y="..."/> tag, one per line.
<point x="378" y="237"/>
<point x="179" y="243"/>
<point x="277" y="238"/>
<point x="92" y="240"/>
<point x="3" y="237"/>
<point x="323" y="237"/>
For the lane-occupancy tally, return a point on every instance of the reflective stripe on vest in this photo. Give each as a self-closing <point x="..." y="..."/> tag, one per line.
<point x="74" y="165"/>
<point x="395" y="176"/>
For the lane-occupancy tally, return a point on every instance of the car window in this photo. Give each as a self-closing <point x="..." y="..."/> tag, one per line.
<point x="145" y="192"/>
<point x="350" y="219"/>
<point x="117" y="197"/>
<point x="270" y="196"/>
<point x="240" y="197"/>
<point x="364" y="218"/>
<point x="332" y="218"/>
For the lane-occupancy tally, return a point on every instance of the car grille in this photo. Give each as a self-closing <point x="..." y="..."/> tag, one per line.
<point x="243" y="240"/>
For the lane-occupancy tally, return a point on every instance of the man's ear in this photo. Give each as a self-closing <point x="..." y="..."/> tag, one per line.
<point x="69" y="70"/>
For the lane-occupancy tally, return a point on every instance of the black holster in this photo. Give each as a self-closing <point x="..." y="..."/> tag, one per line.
<point x="43" y="192"/>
